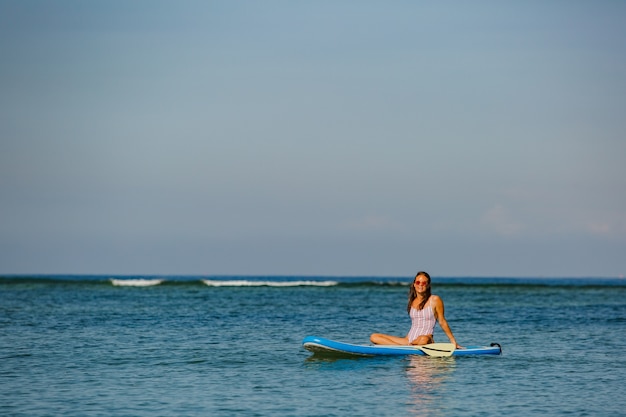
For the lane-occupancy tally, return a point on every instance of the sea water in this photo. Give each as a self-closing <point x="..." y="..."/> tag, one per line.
<point x="231" y="346"/>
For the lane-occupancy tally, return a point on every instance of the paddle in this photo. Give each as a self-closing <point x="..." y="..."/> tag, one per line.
<point x="437" y="349"/>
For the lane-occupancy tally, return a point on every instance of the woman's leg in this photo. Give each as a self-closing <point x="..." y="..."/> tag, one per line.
<point x="423" y="340"/>
<point x="385" y="339"/>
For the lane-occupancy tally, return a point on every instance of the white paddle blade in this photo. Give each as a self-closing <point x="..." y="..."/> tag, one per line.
<point x="437" y="349"/>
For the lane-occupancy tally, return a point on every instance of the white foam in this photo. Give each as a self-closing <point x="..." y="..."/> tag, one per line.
<point x="135" y="282"/>
<point x="247" y="283"/>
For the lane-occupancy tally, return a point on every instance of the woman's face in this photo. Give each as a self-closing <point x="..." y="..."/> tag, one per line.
<point x="421" y="283"/>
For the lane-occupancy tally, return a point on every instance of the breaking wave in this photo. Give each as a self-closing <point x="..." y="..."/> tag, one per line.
<point x="136" y="282"/>
<point x="250" y="283"/>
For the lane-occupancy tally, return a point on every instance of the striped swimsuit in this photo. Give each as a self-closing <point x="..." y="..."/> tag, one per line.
<point x="422" y="322"/>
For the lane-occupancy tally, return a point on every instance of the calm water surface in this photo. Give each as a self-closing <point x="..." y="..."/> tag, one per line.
<point x="82" y="346"/>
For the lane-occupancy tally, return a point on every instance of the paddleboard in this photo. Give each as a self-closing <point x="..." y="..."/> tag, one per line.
<point x="320" y="345"/>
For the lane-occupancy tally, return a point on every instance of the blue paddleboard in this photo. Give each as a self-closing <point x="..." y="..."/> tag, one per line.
<point x="326" y="346"/>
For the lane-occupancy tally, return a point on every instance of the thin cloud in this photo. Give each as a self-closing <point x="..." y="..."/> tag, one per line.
<point x="614" y="225"/>
<point x="500" y="220"/>
<point x="371" y="223"/>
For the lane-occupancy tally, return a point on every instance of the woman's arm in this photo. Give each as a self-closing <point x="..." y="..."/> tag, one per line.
<point x="441" y="318"/>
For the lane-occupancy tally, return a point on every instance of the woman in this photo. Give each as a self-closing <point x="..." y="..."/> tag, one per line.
<point x="424" y="309"/>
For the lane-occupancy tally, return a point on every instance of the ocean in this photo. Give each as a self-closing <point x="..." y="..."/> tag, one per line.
<point x="232" y="346"/>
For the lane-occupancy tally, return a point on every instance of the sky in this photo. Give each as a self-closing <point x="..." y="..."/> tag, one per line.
<point x="324" y="138"/>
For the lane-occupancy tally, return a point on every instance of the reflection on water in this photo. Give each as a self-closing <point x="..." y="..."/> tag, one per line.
<point x="426" y="376"/>
<point x="338" y="361"/>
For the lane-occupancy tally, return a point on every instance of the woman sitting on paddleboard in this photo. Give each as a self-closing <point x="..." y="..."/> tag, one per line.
<point x="424" y="309"/>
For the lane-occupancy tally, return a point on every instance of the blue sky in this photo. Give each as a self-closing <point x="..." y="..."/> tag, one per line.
<point x="480" y="138"/>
